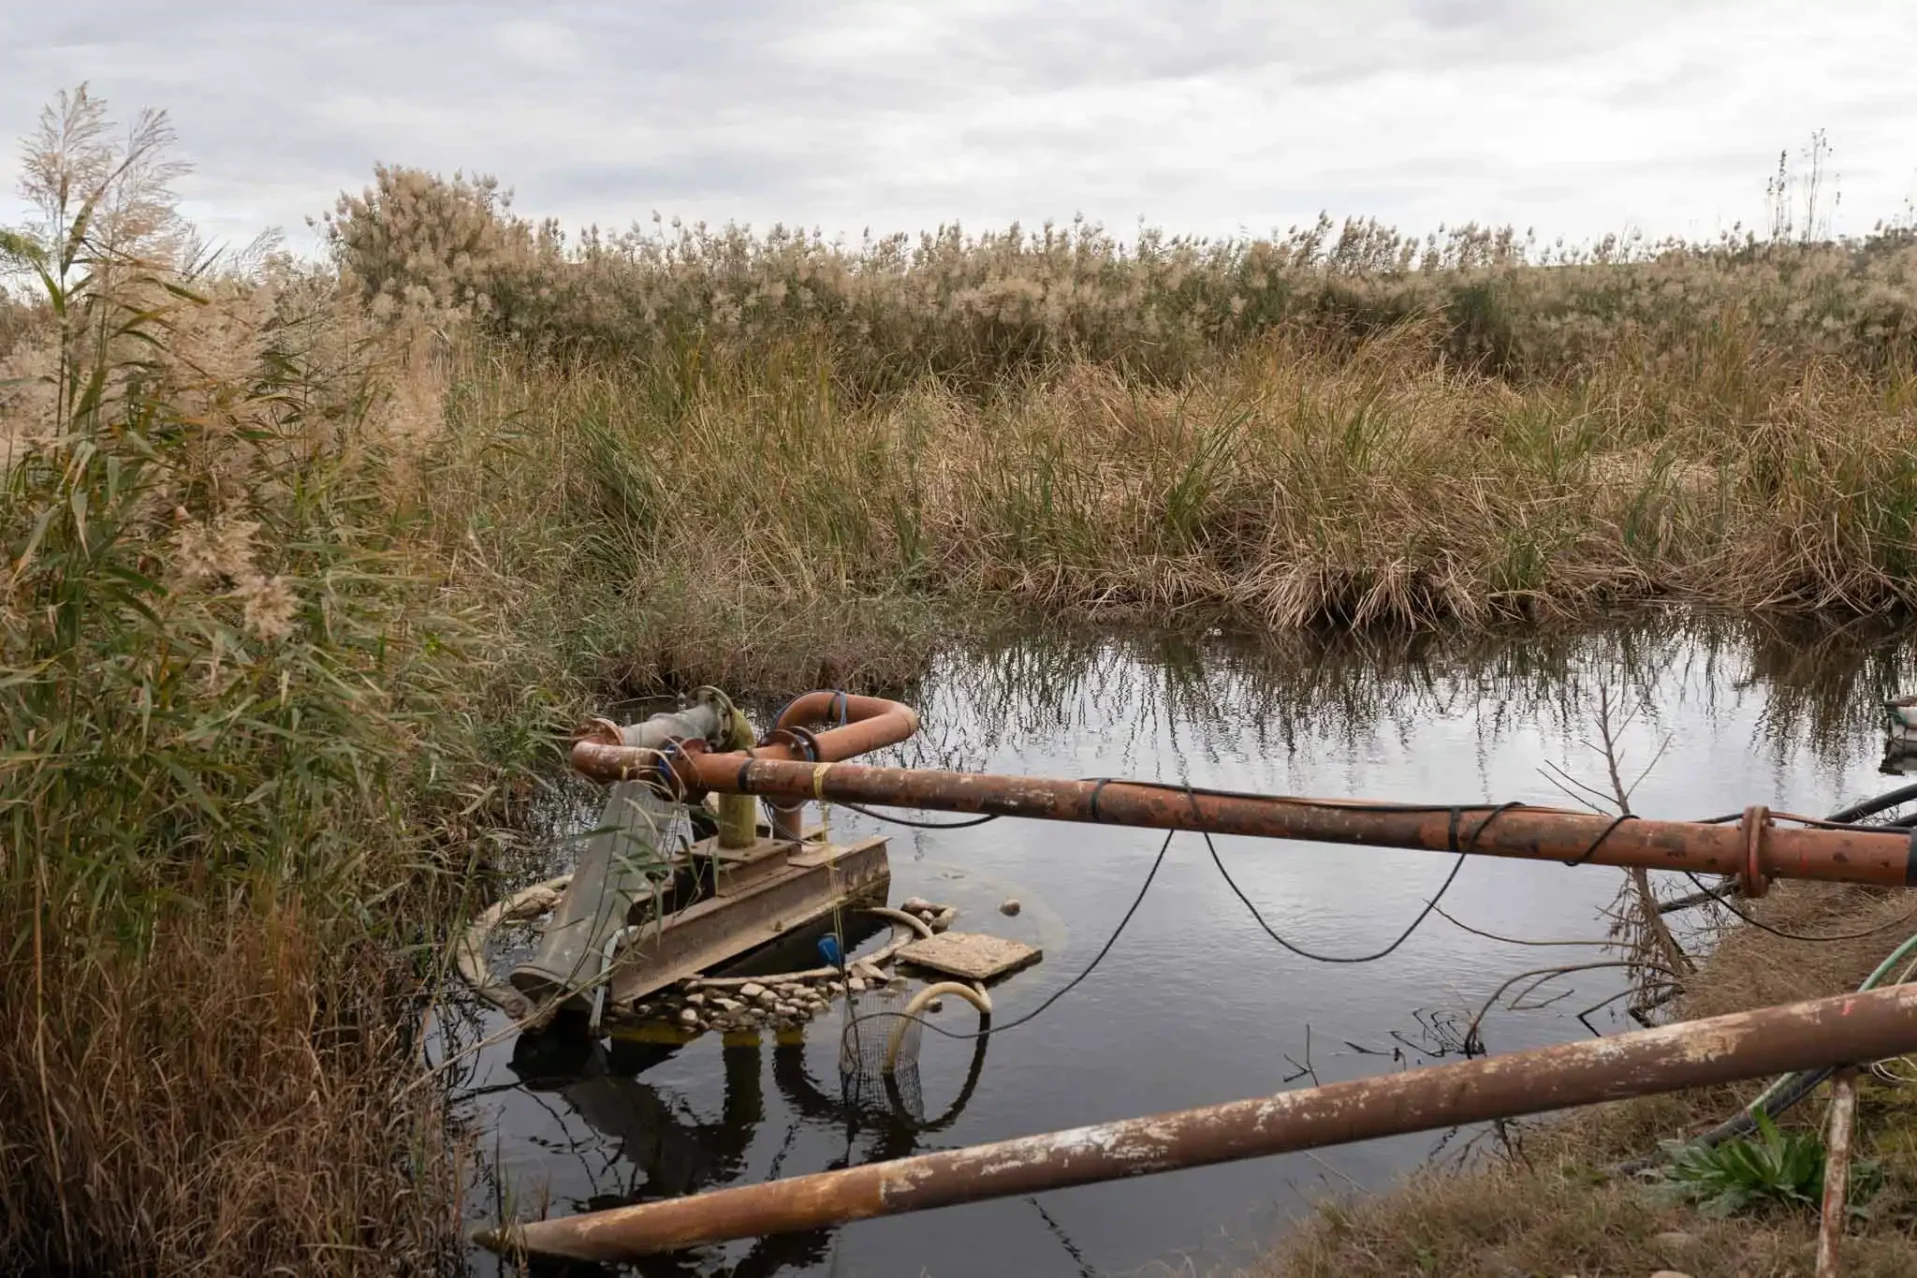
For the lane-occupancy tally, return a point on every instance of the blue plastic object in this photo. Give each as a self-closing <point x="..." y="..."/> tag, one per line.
<point x="829" y="950"/>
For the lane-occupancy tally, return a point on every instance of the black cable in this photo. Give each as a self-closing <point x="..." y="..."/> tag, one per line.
<point x="1464" y="851"/>
<point x="1799" y="936"/>
<point x="918" y="825"/>
<point x="1090" y="967"/>
<point x="1469" y="846"/>
<point x="1214" y="792"/>
<point x="1591" y="851"/>
<point x="810" y="744"/>
<point x="1870" y="807"/>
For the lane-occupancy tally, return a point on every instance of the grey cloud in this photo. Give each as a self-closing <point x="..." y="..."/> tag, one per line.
<point x="854" y="113"/>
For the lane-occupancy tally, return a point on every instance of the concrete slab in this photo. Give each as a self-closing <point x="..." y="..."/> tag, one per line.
<point x="970" y="956"/>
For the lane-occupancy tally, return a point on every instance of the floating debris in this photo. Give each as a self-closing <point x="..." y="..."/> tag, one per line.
<point x="970" y="956"/>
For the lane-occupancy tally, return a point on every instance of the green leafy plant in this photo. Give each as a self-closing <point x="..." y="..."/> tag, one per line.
<point x="1772" y="1168"/>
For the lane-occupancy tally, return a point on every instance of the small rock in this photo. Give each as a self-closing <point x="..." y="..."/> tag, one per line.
<point x="727" y="1005"/>
<point x="856" y="985"/>
<point x="751" y="991"/>
<point x="695" y="1000"/>
<point x="877" y="976"/>
<point x="768" y="999"/>
<point x="936" y="1005"/>
<point x="1669" y="1273"/>
<point x="917" y="905"/>
<point x="785" y="1009"/>
<point x="943" y="919"/>
<point x="689" y="1017"/>
<point x="1010" y="907"/>
<point x="789" y="991"/>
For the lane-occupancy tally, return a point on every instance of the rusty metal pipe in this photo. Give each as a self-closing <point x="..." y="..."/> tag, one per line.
<point x="841" y="727"/>
<point x="819" y="726"/>
<point x="846" y="726"/>
<point x="1752" y="848"/>
<point x="871" y="723"/>
<point x="1723" y="1049"/>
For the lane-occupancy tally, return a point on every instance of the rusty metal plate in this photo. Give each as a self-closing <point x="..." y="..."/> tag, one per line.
<point x="970" y="956"/>
<point x="721" y="928"/>
<point x="743" y="868"/>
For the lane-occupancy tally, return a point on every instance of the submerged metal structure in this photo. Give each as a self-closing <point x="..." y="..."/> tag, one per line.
<point x="639" y="914"/>
<point x="750" y="882"/>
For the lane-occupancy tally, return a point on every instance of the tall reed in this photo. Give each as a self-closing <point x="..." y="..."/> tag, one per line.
<point x="973" y="309"/>
<point x="1289" y="484"/>
<point x="239" y="769"/>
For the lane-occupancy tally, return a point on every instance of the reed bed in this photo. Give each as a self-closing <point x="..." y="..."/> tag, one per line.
<point x="1288" y="485"/>
<point x="1339" y="425"/>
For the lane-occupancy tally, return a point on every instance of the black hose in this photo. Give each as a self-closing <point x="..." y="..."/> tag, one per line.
<point x="1871" y="807"/>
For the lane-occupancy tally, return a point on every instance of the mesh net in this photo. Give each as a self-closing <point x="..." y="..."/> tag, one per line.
<point x="871" y="1020"/>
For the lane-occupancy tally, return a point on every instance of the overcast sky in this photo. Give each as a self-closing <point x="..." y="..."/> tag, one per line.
<point x="1573" y="117"/>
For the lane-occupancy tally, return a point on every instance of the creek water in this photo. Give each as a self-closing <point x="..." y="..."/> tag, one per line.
<point x="1195" y="1003"/>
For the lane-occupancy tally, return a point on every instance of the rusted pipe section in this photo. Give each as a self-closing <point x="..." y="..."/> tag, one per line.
<point x="830" y="726"/>
<point x="817" y="727"/>
<point x="844" y="726"/>
<point x="1552" y="834"/>
<point x="827" y="728"/>
<point x="1723" y="1049"/>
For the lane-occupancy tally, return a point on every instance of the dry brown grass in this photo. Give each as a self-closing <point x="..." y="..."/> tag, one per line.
<point x="222" y="1105"/>
<point x="1509" y="1222"/>
<point x="1553" y="1209"/>
<point x="1292" y="485"/>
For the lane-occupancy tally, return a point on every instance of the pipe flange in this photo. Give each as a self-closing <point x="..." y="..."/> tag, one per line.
<point x="1753" y="881"/>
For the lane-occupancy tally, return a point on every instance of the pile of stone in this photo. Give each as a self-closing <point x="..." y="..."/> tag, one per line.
<point x="936" y="917"/>
<point x="775" y="1002"/>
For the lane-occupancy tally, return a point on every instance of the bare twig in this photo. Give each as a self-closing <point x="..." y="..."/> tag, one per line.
<point x="1645" y="899"/>
<point x="1475" y="1044"/>
<point x="1843" y="1117"/>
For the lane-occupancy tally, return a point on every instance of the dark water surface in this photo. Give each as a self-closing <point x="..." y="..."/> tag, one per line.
<point x="1196" y="1004"/>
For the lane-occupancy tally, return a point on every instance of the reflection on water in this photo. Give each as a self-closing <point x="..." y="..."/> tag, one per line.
<point x="1195" y="1004"/>
<point x="656" y="1145"/>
